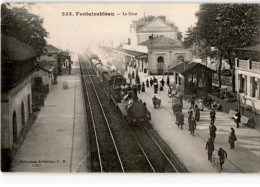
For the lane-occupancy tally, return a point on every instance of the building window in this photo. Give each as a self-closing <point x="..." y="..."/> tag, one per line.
<point x="243" y="84"/>
<point x="160" y="62"/>
<point x="254" y="86"/>
<point x="176" y="78"/>
<point x="180" y="58"/>
<point x="49" y="55"/>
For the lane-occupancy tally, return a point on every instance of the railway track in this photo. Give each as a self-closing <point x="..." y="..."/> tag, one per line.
<point x="113" y="148"/>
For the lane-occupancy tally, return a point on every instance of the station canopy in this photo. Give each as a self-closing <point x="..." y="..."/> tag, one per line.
<point x="131" y="53"/>
<point x="187" y="67"/>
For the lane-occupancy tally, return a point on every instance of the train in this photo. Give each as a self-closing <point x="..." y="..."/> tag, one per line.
<point x="122" y="94"/>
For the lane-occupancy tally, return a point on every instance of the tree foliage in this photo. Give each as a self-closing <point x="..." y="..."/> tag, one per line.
<point x="226" y="27"/>
<point x="25" y="26"/>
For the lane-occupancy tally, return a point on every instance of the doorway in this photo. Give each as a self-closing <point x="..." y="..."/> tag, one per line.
<point x="14" y="128"/>
<point x="160" y="65"/>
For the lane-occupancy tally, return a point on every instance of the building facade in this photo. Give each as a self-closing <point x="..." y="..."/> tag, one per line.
<point x="18" y="64"/>
<point x="248" y="82"/>
<point x="157" y="38"/>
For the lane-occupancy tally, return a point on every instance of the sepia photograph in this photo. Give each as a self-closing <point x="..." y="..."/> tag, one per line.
<point x="130" y="87"/>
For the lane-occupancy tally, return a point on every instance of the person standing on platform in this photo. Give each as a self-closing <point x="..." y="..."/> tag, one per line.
<point x="192" y="101"/>
<point x="162" y="82"/>
<point x="133" y="75"/>
<point x="212" y="132"/>
<point x="151" y="82"/>
<point x="192" y="125"/>
<point x="212" y="116"/>
<point x="197" y="113"/>
<point x="180" y="119"/>
<point x="155" y="85"/>
<point x="222" y="156"/>
<point x="143" y="87"/>
<point x="232" y="138"/>
<point x="190" y="113"/>
<point x="69" y="68"/>
<point x="147" y="83"/>
<point x="168" y="81"/>
<point x="210" y="148"/>
<point x="138" y="87"/>
<point x="237" y="118"/>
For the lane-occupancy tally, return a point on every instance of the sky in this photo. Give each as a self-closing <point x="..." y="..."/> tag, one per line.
<point x="78" y="32"/>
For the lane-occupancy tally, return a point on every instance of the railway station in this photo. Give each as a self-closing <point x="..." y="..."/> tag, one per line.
<point x="144" y="106"/>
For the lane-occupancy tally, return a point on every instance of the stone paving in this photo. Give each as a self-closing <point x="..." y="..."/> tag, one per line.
<point x="245" y="158"/>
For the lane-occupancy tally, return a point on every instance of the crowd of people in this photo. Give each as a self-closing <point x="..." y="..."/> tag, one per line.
<point x="193" y="115"/>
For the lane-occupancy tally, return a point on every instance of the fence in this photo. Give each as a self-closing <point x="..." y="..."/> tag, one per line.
<point x="254" y="116"/>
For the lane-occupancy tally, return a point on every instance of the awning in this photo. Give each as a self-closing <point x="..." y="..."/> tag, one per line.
<point x="135" y="54"/>
<point x="187" y="67"/>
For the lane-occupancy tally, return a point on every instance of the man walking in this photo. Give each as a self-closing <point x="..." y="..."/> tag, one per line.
<point x="237" y="118"/>
<point x="168" y="81"/>
<point x="192" y="125"/>
<point x="210" y="147"/>
<point x="212" y="132"/>
<point x="212" y="116"/>
<point x="151" y="82"/>
<point x="222" y="156"/>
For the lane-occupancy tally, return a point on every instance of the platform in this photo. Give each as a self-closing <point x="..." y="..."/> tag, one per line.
<point x="191" y="150"/>
<point x="57" y="139"/>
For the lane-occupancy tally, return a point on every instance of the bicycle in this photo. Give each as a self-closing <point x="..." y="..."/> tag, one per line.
<point x="215" y="161"/>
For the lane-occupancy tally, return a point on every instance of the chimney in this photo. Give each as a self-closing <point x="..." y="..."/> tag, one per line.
<point x="129" y="41"/>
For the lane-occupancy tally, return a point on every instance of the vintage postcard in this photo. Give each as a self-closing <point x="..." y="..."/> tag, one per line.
<point x="130" y="87"/>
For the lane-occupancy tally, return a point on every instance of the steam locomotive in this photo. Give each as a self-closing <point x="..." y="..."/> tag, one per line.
<point x="124" y="96"/>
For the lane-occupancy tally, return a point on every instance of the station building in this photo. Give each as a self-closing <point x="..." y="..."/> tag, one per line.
<point x="157" y="46"/>
<point x="18" y="64"/>
<point x="247" y="73"/>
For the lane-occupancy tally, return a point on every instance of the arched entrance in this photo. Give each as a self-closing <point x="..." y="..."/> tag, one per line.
<point x="29" y="107"/>
<point x="14" y="128"/>
<point x="160" y="64"/>
<point x="180" y="58"/>
<point x="23" y="114"/>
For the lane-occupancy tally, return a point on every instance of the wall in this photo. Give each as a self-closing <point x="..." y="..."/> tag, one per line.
<point x="247" y="99"/>
<point x="13" y="100"/>
<point x="53" y="58"/>
<point x="170" y="56"/>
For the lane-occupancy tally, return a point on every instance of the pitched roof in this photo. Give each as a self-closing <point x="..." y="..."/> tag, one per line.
<point x="162" y="41"/>
<point x="51" y="48"/>
<point x="142" y="24"/>
<point x="130" y="53"/>
<point x="16" y="50"/>
<point x="64" y="54"/>
<point x="45" y="65"/>
<point x="186" y="67"/>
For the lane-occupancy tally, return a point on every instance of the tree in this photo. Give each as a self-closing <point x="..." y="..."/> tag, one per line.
<point x="27" y="27"/>
<point x="226" y="27"/>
